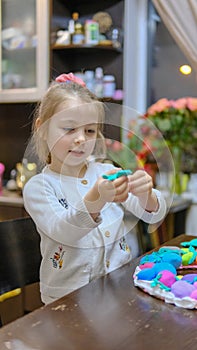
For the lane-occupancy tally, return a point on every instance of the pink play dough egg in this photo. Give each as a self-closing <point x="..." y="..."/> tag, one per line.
<point x="167" y="278"/>
<point x="146" y="265"/>
<point x="194" y="294"/>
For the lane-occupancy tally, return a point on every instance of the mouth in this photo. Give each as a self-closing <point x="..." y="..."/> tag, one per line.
<point x="77" y="153"/>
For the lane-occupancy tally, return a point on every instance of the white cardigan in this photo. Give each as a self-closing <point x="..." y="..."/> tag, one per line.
<point x="75" y="249"/>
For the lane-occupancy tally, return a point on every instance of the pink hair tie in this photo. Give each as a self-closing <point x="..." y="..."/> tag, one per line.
<point x="63" y="78"/>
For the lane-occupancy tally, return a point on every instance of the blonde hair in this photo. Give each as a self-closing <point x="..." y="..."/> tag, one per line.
<point x="57" y="94"/>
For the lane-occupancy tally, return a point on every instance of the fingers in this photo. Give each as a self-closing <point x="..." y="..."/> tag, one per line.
<point x="122" y="189"/>
<point x="140" y="182"/>
<point x="119" y="198"/>
<point x="114" y="191"/>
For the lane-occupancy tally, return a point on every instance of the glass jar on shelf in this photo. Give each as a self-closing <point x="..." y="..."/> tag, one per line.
<point x="98" y="82"/>
<point x="109" y="86"/>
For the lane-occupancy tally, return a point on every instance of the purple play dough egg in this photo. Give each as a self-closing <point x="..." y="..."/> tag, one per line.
<point x="182" y="289"/>
<point x="189" y="277"/>
<point x="167" y="278"/>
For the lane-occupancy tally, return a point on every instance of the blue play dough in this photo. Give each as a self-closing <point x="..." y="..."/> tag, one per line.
<point x="192" y="243"/>
<point x="172" y="258"/>
<point x="162" y="256"/>
<point x="147" y="274"/>
<point x="164" y="266"/>
<point x="163" y="273"/>
<point x="153" y="257"/>
<point x="120" y="173"/>
<point x="151" y="273"/>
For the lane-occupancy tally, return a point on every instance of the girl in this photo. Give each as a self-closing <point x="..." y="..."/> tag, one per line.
<point x="79" y="214"/>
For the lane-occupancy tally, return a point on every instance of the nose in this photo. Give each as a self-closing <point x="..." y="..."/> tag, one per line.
<point x="80" y="136"/>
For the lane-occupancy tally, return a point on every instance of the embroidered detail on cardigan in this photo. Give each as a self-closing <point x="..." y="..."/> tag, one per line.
<point x="58" y="258"/>
<point x="123" y="245"/>
<point x="63" y="203"/>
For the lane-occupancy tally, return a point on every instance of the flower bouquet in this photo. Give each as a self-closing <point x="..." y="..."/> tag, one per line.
<point x="169" y="127"/>
<point x="177" y="121"/>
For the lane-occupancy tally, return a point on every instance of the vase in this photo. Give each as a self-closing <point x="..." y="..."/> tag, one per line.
<point x="179" y="179"/>
<point x="192" y="184"/>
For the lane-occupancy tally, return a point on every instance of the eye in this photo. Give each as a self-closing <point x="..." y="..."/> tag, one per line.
<point x="69" y="130"/>
<point x="90" y="131"/>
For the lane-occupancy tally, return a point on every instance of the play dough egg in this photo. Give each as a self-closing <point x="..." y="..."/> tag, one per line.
<point x="164" y="266"/>
<point x="173" y="259"/>
<point x="151" y="273"/>
<point x="147" y="274"/>
<point x="190" y="277"/>
<point x="167" y="278"/>
<point x="194" y="294"/>
<point x="146" y="265"/>
<point x="170" y="274"/>
<point x="182" y="289"/>
<point x="186" y="258"/>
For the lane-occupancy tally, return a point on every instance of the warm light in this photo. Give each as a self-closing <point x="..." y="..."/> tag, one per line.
<point x="185" y="69"/>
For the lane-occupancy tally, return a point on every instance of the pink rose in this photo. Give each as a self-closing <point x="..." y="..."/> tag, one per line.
<point x="159" y="106"/>
<point x="192" y="103"/>
<point x="117" y="146"/>
<point x="180" y="103"/>
<point x="70" y="77"/>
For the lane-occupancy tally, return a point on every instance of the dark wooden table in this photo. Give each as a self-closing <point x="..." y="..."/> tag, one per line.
<point x="109" y="313"/>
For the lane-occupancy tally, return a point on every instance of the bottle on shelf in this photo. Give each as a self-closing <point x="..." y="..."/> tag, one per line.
<point x="98" y="84"/>
<point x="71" y="29"/>
<point x="89" y="79"/>
<point x="109" y="86"/>
<point x="91" y="32"/>
<point x="78" y="36"/>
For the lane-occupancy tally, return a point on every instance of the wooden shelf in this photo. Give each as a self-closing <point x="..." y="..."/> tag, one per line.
<point x="24" y="49"/>
<point x="86" y="47"/>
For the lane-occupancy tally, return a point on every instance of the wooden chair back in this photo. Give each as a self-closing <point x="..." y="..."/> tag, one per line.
<point x="20" y="255"/>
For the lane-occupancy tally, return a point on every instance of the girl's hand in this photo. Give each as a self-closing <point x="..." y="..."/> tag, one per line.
<point x="141" y="185"/>
<point x="105" y="191"/>
<point x="113" y="191"/>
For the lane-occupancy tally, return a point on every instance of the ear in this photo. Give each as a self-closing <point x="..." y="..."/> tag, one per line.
<point x="37" y="123"/>
<point x="41" y="128"/>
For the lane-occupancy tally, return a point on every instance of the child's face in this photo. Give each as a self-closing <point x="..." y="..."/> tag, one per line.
<point x="72" y="135"/>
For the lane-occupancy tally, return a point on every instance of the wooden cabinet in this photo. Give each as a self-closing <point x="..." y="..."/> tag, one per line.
<point x="24" y="50"/>
<point x="83" y="57"/>
<point x="9" y="212"/>
<point x="25" y="71"/>
<point x="11" y="206"/>
<point x="78" y="58"/>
